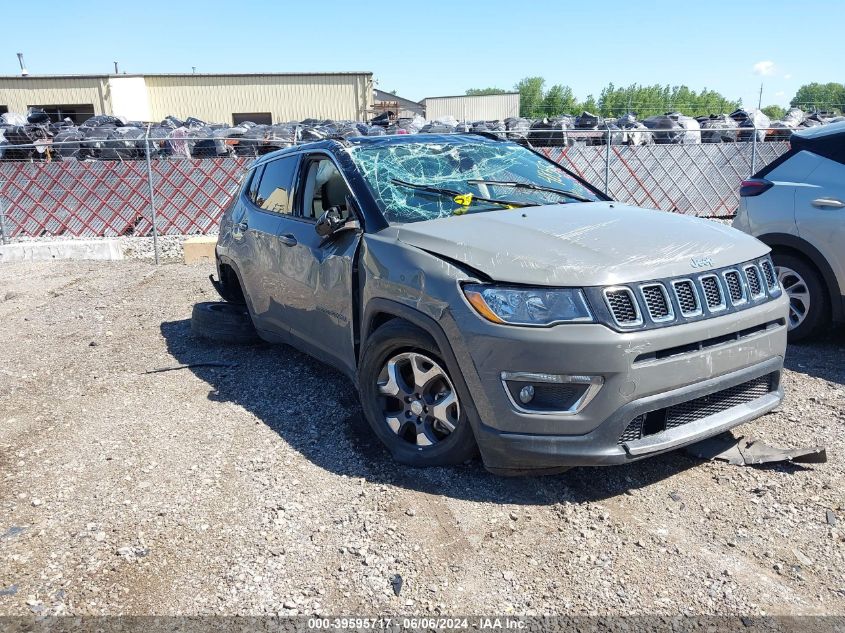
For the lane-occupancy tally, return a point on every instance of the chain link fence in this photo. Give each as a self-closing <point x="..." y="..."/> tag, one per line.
<point x="149" y="187"/>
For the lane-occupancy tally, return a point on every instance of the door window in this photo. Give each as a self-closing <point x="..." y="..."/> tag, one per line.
<point x="273" y="193"/>
<point x="251" y="185"/>
<point x="324" y="188"/>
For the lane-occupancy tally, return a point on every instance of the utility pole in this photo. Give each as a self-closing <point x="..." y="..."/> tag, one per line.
<point x="760" y="98"/>
<point x="24" y="71"/>
<point x="115" y="68"/>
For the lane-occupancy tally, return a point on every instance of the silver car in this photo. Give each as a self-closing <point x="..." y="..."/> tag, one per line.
<point x="796" y="205"/>
<point x="482" y="297"/>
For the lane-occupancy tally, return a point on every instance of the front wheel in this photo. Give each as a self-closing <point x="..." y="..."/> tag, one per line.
<point x="808" y="302"/>
<point x="410" y="399"/>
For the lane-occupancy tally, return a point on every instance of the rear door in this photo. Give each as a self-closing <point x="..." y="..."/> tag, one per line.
<point x="261" y="256"/>
<point x="820" y="212"/>
<point x="317" y="272"/>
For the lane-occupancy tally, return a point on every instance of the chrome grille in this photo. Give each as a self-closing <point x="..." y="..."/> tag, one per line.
<point x="687" y="297"/>
<point x="769" y="274"/>
<point x="735" y="288"/>
<point x="754" y="284"/>
<point x="657" y="302"/>
<point x="713" y="292"/>
<point x="664" y="302"/>
<point x="623" y="306"/>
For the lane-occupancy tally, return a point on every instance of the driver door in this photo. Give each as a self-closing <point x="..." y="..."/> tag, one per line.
<point x="317" y="271"/>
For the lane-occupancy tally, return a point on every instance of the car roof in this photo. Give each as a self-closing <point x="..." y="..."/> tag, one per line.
<point x="376" y="141"/>
<point x="821" y="131"/>
<point x="824" y="140"/>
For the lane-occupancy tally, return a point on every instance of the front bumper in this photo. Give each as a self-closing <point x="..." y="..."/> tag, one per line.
<point x="525" y="453"/>
<point x="635" y="381"/>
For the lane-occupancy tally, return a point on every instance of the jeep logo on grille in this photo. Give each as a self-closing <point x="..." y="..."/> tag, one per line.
<point x="701" y="262"/>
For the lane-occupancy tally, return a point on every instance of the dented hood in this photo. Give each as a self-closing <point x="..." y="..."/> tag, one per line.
<point x="583" y="244"/>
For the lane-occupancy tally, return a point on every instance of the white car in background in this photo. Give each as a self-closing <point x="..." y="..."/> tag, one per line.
<point x="796" y="205"/>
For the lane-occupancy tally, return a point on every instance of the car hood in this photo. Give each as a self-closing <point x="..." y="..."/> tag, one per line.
<point x="583" y="244"/>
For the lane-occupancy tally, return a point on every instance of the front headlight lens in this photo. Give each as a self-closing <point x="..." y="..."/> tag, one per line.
<point x="528" y="306"/>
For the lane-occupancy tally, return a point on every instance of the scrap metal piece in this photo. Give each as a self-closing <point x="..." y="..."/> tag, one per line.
<point x="742" y="451"/>
<point x="211" y="363"/>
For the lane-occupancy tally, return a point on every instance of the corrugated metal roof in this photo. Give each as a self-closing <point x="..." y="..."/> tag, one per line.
<point x="381" y="95"/>
<point x="109" y="75"/>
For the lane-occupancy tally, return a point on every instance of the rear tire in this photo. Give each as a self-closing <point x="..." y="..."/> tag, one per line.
<point x="809" y="305"/>
<point x="417" y="414"/>
<point x="223" y="322"/>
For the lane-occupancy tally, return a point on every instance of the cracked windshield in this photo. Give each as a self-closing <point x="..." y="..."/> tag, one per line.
<point x="415" y="181"/>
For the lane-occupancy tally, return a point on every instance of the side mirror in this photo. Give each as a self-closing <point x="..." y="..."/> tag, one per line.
<point x="329" y="222"/>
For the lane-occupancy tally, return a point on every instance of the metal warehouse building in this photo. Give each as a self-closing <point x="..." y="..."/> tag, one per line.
<point x="401" y="107"/>
<point x="222" y="98"/>
<point x="473" y="108"/>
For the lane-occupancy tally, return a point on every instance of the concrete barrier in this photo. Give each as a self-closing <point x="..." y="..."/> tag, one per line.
<point x="109" y="250"/>
<point x="199" y="249"/>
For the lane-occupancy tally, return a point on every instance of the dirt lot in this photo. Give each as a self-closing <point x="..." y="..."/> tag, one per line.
<point x="258" y="489"/>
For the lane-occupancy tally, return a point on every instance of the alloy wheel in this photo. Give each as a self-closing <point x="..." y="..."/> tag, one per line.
<point x="418" y="400"/>
<point x="796" y="289"/>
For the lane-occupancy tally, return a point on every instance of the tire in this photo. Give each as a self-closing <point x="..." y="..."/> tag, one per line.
<point x="416" y="441"/>
<point x="224" y="322"/>
<point x="809" y="310"/>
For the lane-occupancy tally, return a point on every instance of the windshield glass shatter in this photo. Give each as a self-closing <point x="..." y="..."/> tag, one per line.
<point x="449" y="165"/>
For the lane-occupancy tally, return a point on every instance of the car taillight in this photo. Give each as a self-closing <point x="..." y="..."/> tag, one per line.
<point x="754" y="187"/>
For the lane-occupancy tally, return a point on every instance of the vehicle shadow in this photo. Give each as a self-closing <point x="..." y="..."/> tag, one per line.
<point x="315" y="409"/>
<point x="821" y="358"/>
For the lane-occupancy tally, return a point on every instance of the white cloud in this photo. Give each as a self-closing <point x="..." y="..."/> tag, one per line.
<point x="787" y="76"/>
<point x="780" y="93"/>
<point x="764" y="68"/>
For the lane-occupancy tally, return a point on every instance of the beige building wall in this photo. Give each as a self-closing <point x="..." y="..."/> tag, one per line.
<point x="17" y="93"/>
<point x="215" y="98"/>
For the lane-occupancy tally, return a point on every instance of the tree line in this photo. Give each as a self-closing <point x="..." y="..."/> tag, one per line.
<point x="537" y="101"/>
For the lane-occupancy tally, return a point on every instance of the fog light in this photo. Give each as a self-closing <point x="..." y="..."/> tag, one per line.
<point x="526" y="394"/>
<point x="550" y="394"/>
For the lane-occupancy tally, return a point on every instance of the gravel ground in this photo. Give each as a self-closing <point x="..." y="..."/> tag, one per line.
<point x="258" y="489"/>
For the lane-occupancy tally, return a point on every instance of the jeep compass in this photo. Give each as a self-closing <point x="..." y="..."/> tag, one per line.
<point x="483" y="298"/>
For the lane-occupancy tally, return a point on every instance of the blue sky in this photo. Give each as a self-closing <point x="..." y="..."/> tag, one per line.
<point x="438" y="47"/>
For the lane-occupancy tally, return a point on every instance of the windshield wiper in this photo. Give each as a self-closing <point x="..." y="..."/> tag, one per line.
<point x="456" y="194"/>
<point x="531" y="186"/>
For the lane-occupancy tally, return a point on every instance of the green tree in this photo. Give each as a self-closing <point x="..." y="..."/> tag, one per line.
<point x="559" y="100"/>
<point x="774" y="112"/>
<point x="590" y="105"/>
<point x="816" y="96"/>
<point x="645" y="101"/>
<point x="481" y="92"/>
<point x="531" y="97"/>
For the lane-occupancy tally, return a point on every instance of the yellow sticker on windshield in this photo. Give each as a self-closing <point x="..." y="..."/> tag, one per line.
<point x="464" y="200"/>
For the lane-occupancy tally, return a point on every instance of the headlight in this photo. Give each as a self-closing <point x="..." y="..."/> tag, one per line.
<point x="528" y="306"/>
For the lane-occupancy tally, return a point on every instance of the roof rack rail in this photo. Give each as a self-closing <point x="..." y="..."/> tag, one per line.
<point x="494" y="136"/>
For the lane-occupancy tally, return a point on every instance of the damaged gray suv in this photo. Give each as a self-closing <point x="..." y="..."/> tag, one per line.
<point x="483" y="298"/>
